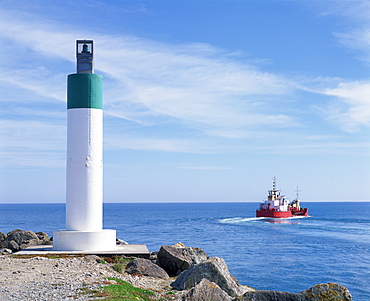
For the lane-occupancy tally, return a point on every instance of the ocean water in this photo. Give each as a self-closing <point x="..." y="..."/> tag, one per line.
<point x="332" y="245"/>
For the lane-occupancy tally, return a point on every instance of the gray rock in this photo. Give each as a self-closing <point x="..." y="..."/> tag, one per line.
<point x="146" y="267"/>
<point x="92" y="258"/>
<point x="266" y="295"/>
<point x="20" y="236"/>
<point x="215" y="270"/>
<point x="5" y="251"/>
<point x="44" y="238"/>
<point x="330" y="291"/>
<point x="17" y="240"/>
<point x="12" y="245"/>
<point x="320" y="292"/>
<point x="2" y="239"/>
<point x="28" y="243"/>
<point x="206" y="290"/>
<point x="175" y="259"/>
<point x="2" y="236"/>
<point x="120" y="242"/>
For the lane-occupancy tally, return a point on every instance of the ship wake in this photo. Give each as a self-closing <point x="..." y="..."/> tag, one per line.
<point x="245" y="220"/>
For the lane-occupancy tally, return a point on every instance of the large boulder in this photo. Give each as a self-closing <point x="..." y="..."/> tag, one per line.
<point x="20" y="236"/>
<point x="44" y="238"/>
<point x="146" y="267"/>
<point x="178" y="258"/>
<point x="4" y="251"/>
<point x="320" y="292"/>
<point x="215" y="270"/>
<point x="266" y="295"/>
<point x="2" y="236"/>
<point x="12" y="245"/>
<point x="330" y="291"/>
<point x="205" y="290"/>
<point x="2" y="240"/>
<point x="120" y="242"/>
<point x="17" y="240"/>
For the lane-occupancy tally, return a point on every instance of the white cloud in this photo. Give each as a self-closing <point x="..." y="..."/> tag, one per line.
<point x="32" y="135"/>
<point x="206" y="168"/>
<point x="39" y="80"/>
<point x="157" y="144"/>
<point x="27" y="143"/>
<point x="355" y="34"/>
<point x="358" y="39"/>
<point x="31" y="159"/>
<point x="146" y="83"/>
<point x="155" y="83"/>
<point x="197" y="86"/>
<point x="193" y="83"/>
<point x="352" y="106"/>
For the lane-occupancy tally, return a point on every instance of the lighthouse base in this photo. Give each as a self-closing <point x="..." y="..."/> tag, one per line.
<point x="66" y="240"/>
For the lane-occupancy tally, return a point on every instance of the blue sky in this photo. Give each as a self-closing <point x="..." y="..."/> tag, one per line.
<point x="204" y="101"/>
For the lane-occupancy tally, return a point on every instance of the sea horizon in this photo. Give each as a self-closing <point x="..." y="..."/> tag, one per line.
<point x="194" y="202"/>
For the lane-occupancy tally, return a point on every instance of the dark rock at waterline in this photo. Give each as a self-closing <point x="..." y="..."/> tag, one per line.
<point x="178" y="258"/>
<point x="205" y="290"/>
<point x="319" y="292"/>
<point x="215" y="270"/>
<point x="271" y="295"/>
<point x="2" y="237"/>
<point x="5" y="251"/>
<point x="120" y="242"/>
<point x="145" y="267"/>
<point x="17" y="240"/>
<point x="12" y="245"/>
<point x="330" y="291"/>
<point x="44" y="238"/>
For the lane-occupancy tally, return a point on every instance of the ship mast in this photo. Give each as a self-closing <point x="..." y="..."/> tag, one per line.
<point x="297" y="194"/>
<point x="296" y="201"/>
<point x="273" y="194"/>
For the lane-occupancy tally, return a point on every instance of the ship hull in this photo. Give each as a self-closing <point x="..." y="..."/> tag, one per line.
<point x="281" y="214"/>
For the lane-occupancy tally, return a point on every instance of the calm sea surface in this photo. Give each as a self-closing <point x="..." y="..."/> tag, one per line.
<point x="332" y="245"/>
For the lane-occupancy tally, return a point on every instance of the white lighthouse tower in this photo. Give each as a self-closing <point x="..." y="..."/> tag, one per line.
<point x="84" y="202"/>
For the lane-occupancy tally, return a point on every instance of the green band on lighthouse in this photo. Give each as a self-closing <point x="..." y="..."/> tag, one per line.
<point x="85" y="91"/>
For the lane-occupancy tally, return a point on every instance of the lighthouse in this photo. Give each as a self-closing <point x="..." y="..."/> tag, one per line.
<point x="84" y="192"/>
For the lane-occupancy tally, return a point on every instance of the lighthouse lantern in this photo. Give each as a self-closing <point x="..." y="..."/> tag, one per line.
<point x="85" y="56"/>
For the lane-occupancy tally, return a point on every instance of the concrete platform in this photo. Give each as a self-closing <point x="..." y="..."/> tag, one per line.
<point x="97" y="240"/>
<point x="127" y="250"/>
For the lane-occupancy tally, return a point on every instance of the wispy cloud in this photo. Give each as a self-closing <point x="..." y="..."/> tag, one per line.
<point x="191" y="83"/>
<point x="356" y="36"/>
<point x="150" y="82"/>
<point x="207" y="168"/>
<point x="208" y="90"/>
<point x="348" y="105"/>
<point x="351" y="110"/>
<point x="28" y="134"/>
<point x="357" y="40"/>
<point x="38" y="80"/>
<point x="157" y="144"/>
<point x="30" y="143"/>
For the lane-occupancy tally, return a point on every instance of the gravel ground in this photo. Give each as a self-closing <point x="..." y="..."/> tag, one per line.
<point x="41" y="278"/>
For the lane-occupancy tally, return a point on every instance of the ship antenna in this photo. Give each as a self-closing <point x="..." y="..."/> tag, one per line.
<point x="274" y="190"/>
<point x="297" y="193"/>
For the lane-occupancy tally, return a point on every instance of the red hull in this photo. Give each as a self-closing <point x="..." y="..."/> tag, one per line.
<point x="281" y="214"/>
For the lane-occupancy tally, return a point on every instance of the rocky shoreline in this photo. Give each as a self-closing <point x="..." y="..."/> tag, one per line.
<point x="173" y="273"/>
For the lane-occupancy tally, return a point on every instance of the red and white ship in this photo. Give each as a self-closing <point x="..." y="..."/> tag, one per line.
<point x="278" y="206"/>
